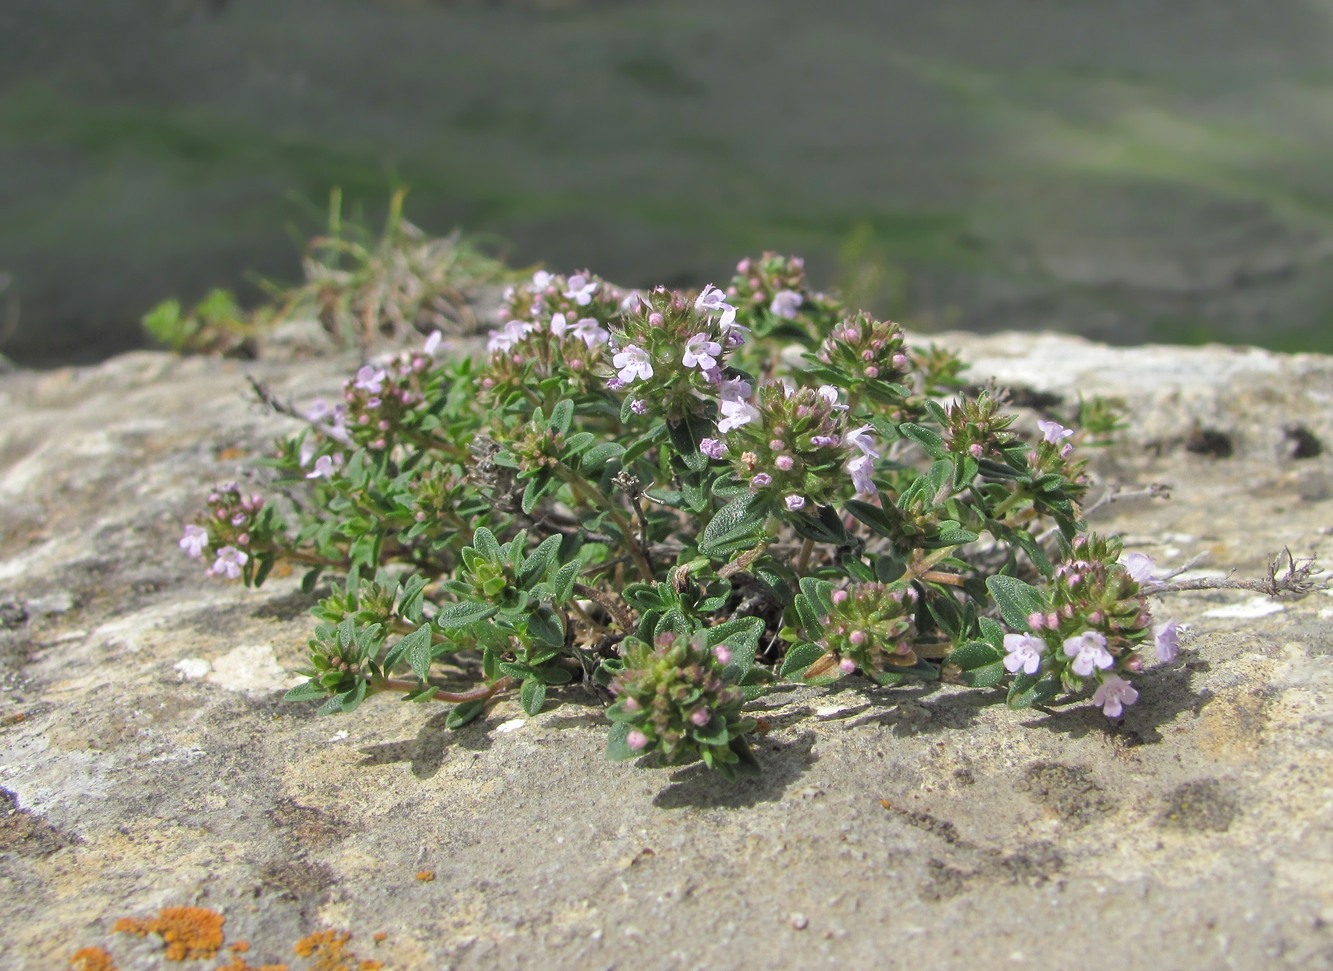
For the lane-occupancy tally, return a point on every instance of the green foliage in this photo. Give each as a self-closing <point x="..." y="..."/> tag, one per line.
<point x="643" y="494"/>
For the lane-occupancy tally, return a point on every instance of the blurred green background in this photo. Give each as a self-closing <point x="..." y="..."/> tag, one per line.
<point x="1131" y="171"/>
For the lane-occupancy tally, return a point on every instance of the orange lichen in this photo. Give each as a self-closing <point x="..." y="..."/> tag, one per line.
<point x="328" y="949"/>
<point x="91" y="959"/>
<point x="240" y="947"/>
<point x="425" y="876"/>
<point x="239" y="963"/>
<point x="380" y="937"/>
<point x="188" y="932"/>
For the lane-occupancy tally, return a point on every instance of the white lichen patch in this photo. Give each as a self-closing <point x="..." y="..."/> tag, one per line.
<point x="1246" y="609"/>
<point x="192" y="668"/>
<point x="252" y="669"/>
<point x="513" y="725"/>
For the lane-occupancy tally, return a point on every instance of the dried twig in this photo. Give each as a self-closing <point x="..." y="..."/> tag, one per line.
<point x="1295" y="578"/>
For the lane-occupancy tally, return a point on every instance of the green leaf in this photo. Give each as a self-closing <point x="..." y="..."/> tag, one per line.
<point x="562" y="415"/>
<point x="982" y="663"/>
<point x="539" y="560"/>
<point x="927" y="439"/>
<point x="686" y="436"/>
<point x="599" y="455"/>
<point x="462" y="614"/>
<point x="737" y="526"/>
<point x="800" y="657"/>
<point x="617" y="748"/>
<point x="308" y="691"/>
<point x="741" y="636"/>
<point x="415" y="648"/>
<point x="1016" y="600"/>
<point x="533" y="695"/>
<point x="881" y="521"/>
<point x="823" y="527"/>
<point x="992" y="633"/>
<point x="1027" y="690"/>
<point x="485" y="543"/>
<point x="464" y="713"/>
<point x="547" y="627"/>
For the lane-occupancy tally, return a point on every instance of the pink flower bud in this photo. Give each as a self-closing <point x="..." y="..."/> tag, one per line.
<point x="846" y="665"/>
<point x="700" y="716"/>
<point x="636" y="740"/>
<point x="857" y="637"/>
<point x="838" y="596"/>
<point x="975" y="450"/>
<point x="872" y="371"/>
<point x="655" y="319"/>
<point x="629" y="704"/>
<point x="1036" y="621"/>
<point x="1053" y="620"/>
<point x="722" y="653"/>
<point x="383" y="425"/>
<point x="784" y="462"/>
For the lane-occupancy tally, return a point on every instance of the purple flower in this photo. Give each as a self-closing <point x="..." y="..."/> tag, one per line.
<point x="824" y="441"/>
<point x="830" y="394"/>
<point x="1088" y="651"/>
<point x="634" y="363"/>
<point x="631" y="302"/>
<point x="325" y="467"/>
<point x="581" y="289"/>
<point x="700" y="352"/>
<point x="588" y="330"/>
<point x="639" y="406"/>
<point x="319" y="410"/>
<point x="1139" y="566"/>
<point x="1053" y="431"/>
<point x="432" y="343"/>
<point x="229" y="562"/>
<point x="195" y="541"/>
<point x="761" y="479"/>
<point x="1024" y="652"/>
<point x="859" y="469"/>
<point x="1168" y="641"/>
<point x="636" y="740"/>
<point x="785" y="304"/>
<point x="541" y="280"/>
<point x="795" y="502"/>
<point x="506" y="337"/>
<point x="1113" y="694"/>
<point x="860" y="437"/>
<point x="712" y="299"/>
<point x="735" y="413"/>
<point x="370" y="379"/>
<point x="713" y="448"/>
<point x="734" y="389"/>
<point x="558" y="325"/>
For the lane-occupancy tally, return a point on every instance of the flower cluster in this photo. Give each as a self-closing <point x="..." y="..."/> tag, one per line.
<point x="792" y="443"/>
<point x="235" y="524"/>
<point x="872" y="354"/>
<point x="552" y="325"/>
<point x="1095" y="619"/>
<point x="869" y="628"/>
<point x="771" y="292"/>
<point x="676" y="698"/>
<point x="670" y="351"/>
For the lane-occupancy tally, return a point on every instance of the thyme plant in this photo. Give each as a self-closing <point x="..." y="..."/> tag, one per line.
<point x="677" y="500"/>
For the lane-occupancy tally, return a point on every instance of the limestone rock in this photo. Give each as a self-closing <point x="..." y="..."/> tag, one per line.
<point x="927" y="826"/>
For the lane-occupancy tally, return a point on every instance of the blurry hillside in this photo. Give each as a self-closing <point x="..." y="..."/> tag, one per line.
<point x="1130" y="171"/>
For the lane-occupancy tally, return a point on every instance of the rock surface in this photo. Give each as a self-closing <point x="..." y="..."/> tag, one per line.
<point x="146" y="760"/>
